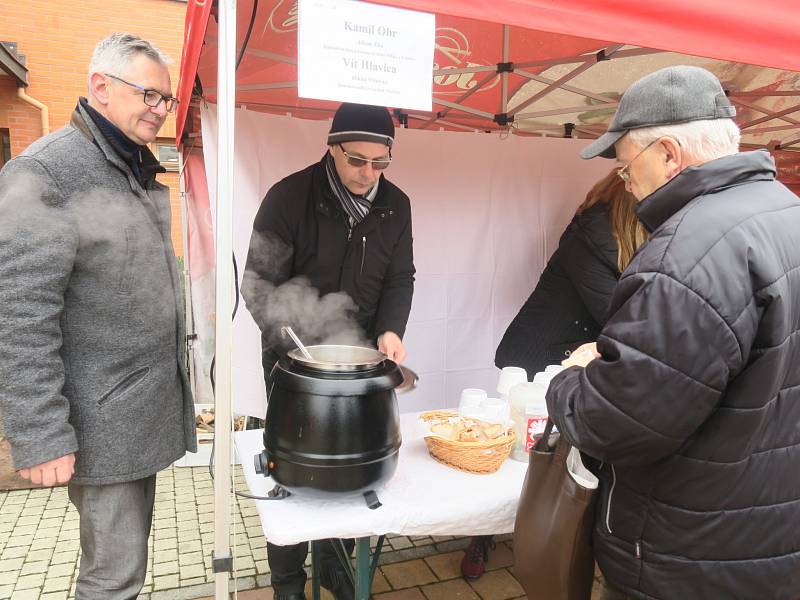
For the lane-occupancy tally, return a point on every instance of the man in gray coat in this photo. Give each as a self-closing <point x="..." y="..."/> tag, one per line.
<point x="94" y="391"/>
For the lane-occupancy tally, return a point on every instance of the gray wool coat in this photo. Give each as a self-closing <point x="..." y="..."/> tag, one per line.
<point x="91" y="313"/>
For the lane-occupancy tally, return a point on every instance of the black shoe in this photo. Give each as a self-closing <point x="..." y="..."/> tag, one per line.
<point x="297" y="596"/>
<point x="336" y="581"/>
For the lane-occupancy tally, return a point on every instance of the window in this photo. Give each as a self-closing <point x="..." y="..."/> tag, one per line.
<point x="5" y="147"/>
<point x="167" y="155"/>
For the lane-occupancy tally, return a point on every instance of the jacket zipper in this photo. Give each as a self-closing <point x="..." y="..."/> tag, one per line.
<point x="610" y="494"/>
<point x="363" y="254"/>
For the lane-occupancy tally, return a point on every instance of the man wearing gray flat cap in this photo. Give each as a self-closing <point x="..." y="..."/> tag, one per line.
<point x="691" y="395"/>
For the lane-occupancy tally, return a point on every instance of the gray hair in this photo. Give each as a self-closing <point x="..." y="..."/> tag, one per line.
<point x="114" y="54"/>
<point x="703" y="140"/>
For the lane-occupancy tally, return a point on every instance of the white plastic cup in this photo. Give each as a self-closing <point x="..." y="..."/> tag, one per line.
<point x="509" y="377"/>
<point x="470" y="403"/>
<point x="496" y="410"/>
<point x="553" y="369"/>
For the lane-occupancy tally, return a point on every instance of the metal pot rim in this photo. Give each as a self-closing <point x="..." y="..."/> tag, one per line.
<point x="338" y="357"/>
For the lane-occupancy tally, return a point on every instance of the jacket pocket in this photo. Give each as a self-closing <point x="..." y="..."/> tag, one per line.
<point x="126" y="280"/>
<point x="125" y="385"/>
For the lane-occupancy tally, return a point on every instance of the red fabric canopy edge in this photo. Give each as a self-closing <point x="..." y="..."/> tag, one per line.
<point x="740" y="31"/>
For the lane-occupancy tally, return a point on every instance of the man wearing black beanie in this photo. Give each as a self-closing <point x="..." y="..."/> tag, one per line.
<point x="345" y="228"/>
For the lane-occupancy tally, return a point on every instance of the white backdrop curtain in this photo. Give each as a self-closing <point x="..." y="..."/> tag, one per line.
<point x="488" y="211"/>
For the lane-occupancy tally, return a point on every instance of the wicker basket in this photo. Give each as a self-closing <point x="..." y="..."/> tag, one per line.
<point x="483" y="457"/>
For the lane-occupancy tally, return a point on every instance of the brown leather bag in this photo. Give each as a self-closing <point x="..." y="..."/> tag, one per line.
<point x="552" y="535"/>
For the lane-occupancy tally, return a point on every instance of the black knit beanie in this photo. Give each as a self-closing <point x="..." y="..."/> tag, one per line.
<point x="361" y="123"/>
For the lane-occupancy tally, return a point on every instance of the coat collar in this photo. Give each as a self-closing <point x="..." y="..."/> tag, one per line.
<point x="699" y="180"/>
<point x="83" y="122"/>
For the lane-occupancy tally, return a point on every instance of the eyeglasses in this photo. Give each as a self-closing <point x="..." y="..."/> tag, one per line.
<point x="152" y="98"/>
<point x="624" y="172"/>
<point x="355" y="161"/>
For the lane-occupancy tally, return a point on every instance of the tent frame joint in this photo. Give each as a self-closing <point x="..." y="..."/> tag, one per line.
<point x="503" y="119"/>
<point x="223" y="564"/>
<point x="601" y="56"/>
<point x="505" y="67"/>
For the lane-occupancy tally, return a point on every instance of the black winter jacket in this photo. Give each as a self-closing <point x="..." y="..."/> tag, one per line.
<point x="695" y="402"/>
<point x="301" y="230"/>
<point x="570" y="303"/>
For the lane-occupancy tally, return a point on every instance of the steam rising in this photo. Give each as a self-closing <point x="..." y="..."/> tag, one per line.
<point x="275" y="300"/>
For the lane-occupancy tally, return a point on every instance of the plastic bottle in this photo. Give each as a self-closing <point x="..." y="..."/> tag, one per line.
<point x="529" y="414"/>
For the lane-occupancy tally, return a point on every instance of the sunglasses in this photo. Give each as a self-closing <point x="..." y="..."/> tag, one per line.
<point x="358" y="162"/>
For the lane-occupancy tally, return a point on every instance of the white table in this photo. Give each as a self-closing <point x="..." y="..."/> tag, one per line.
<point x="423" y="498"/>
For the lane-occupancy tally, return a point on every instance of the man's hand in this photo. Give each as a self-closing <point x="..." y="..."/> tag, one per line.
<point x="390" y="344"/>
<point x="56" y="471"/>
<point x="582" y="355"/>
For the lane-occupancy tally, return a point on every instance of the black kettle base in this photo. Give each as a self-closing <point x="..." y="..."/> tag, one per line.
<point x="279" y="493"/>
<point x="371" y="498"/>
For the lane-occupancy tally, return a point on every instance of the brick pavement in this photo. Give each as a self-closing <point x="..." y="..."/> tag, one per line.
<point x="40" y="550"/>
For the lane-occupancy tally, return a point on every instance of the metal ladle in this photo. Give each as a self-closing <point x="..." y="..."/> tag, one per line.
<point x="286" y="330"/>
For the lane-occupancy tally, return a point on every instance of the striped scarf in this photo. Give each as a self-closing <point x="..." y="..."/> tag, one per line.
<point x="355" y="207"/>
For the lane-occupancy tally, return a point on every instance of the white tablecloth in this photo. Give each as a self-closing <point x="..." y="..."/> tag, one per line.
<point x="423" y="498"/>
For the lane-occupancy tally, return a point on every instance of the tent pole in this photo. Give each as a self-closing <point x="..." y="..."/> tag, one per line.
<point x="226" y="99"/>
<point x="187" y="283"/>
<point x="504" y="76"/>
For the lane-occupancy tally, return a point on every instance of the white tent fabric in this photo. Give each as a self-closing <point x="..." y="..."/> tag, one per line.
<point x="488" y="211"/>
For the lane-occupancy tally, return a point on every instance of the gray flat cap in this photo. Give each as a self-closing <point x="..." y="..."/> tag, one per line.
<point x="667" y="97"/>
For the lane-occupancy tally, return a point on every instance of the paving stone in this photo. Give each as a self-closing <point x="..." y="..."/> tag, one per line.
<point x="191" y="571"/>
<point x="14" y="552"/>
<point x="161" y="556"/>
<point x="51" y="532"/>
<point x="25" y="594"/>
<point x="68" y="556"/>
<point x="45" y="544"/>
<point x="190" y="558"/>
<point x="400" y="543"/>
<point x="8" y="578"/>
<point x="56" y="584"/>
<point x="166" y="582"/>
<point x="455" y="589"/>
<point x="31" y="568"/>
<point x="5" y="591"/>
<point x="56" y="595"/>
<point x="446" y="566"/>
<point x="502" y="556"/>
<point x="29" y="581"/>
<point x="262" y="567"/>
<point x="24" y="523"/>
<point x="166" y="568"/>
<point x="408" y="574"/>
<point x="409" y="594"/>
<point x="497" y="585"/>
<point x="19" y="540"/>
<point x="11" y="564"/>
<point x="379" y="583"/>
<point x="69" y="534"/>
<point x="165" y="544"/>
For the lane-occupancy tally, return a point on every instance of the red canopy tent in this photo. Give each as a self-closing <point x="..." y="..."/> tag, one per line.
<point x="535" y="67"/>
<point x="532" y="67"/>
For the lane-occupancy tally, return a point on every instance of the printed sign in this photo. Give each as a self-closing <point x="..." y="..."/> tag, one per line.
<point x="360" y="52"/>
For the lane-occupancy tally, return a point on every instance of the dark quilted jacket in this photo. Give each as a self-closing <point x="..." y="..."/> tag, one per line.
<point x="695" y="403"/>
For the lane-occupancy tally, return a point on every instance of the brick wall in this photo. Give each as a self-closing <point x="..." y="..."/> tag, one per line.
<point x="57" y="37"/>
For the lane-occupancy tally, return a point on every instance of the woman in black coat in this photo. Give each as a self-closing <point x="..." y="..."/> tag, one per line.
<point x="570" y="303"/>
